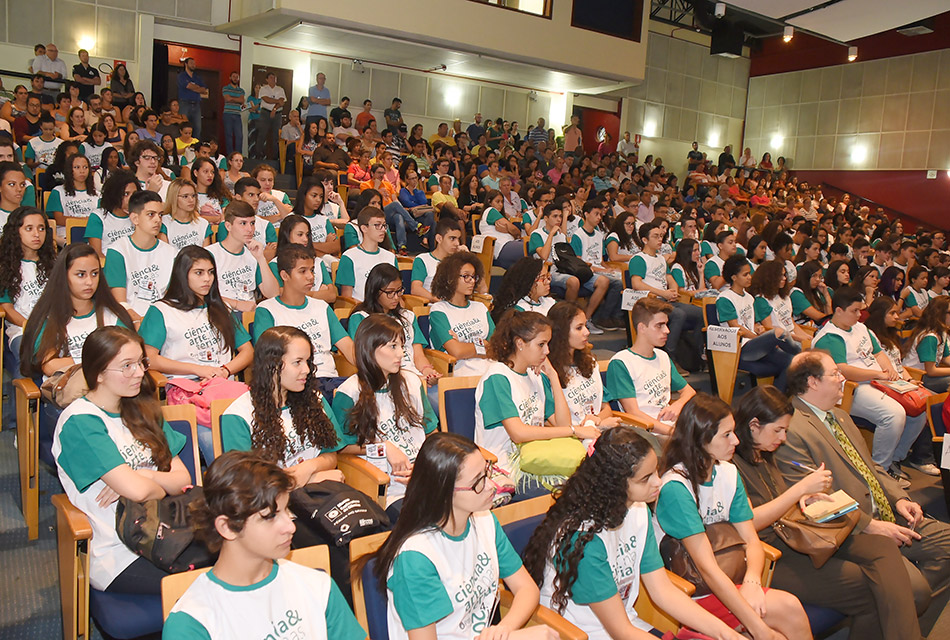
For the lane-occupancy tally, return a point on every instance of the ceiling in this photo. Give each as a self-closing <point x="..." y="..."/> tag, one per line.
<point x="844" y="20"/>
<point x="376" y="50"/>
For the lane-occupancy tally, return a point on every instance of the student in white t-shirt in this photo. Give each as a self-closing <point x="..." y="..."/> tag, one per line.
<point x="251" y="591"/>
<point x="508" y="245"/>
<point x="138" y="267"/>
<point x="296" y="230"/>
<point x="213" y="196"/>
<point x="603" y="508"/>
<point x="39" y="152"/>
<point x="273" y="204"/>
<point x="144" y="160"/>
<point x="642" y="378"/>
<point x="441" y="566"/>
<point x="13" y="185"/>
<point x="356" y="262"/>
<point x="76" y="197"/>
<point x="712" y="271"/>
<point x="242" y="270"/>
<point x="248" y="190"/>
<point x="112" y="443"/>
<point x="771" y="289"/>
<point x="622" y="243"/>
<point x="515" y="400"/>
<point x="526" y="286"/>
<point x="310" y="199"/>
<point x="284" y="418"/>
<point x="383" y="404"/>
<point x="111" y="221"/>
<point x="448" y="240"/>
<point x="93" y="147"/>
<point x="183" y="226"/>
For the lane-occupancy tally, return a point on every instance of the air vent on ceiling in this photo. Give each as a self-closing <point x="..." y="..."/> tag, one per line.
<point x="917" y="29"/>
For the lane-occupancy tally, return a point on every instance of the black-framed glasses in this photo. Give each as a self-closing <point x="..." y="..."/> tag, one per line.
<point x="392" y="293"/>
<point x="479" y="484"/>
<point x="469" y="277"/>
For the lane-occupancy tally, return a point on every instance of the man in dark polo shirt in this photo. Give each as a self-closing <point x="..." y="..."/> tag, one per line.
<point x="329" y="156"/>
<point x="86" y="76"/>
<point x="27" y="126"/>
<point x="36" y="89"/>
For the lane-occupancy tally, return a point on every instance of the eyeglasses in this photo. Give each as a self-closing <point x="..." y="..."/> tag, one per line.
<point x="148" y="156"/>
<point x="833" y="374"/>
<point x="469" y="277"/>
<point x="128" y="369"/>
<point x="392" y="293"/>
<point x="379" y="226"/>
<point x="479" y="484"/>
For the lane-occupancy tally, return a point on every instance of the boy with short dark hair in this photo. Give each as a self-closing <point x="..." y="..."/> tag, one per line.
<point x="356" y="262"/>
<point x="248" y="190"/>
<point x="448" y="240"/>
<point x="41" y="149"/>
<point x="241" y="266"/>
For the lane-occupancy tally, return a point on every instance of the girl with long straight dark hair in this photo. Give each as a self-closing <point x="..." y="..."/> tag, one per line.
<point x="113" y="443"/>
<point x="701" y="487"/>
<point x="295" y="229"/>
<point x="811" y="301"/>
<point x="383" y="408"/>
<point x="442" y="562"/>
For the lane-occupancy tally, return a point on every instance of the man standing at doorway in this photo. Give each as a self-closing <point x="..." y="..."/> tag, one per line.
<point x="272" y="107"/>
<point x="190" y="92"/>
<point x="233" y="102"/>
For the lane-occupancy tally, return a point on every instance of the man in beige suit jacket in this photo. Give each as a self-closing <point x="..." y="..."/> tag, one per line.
<point x="815" y="385"/>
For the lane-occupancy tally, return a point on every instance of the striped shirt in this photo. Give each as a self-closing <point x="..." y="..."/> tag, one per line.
<point x="232" y="91"/>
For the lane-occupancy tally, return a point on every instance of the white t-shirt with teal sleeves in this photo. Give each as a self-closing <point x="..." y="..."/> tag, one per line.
<point x="713" y="268"/>
<point x="472" y="324"/>
<point x="589" y="247"/>
<point x="94" y="153"/>
<point x="779" y="309"/>
<point x="264" y="231"/>
<point x="423" y="269"/>
<point x="237" y="427"/>
<point x="42" y="151"/>
<point x="733" y="306"/>
<point x="631" y="250"/>
<point x="916" y="298"/>
<point x="722" y="499"/>
<point x="856" y="346"/>
<point x="653" y="269"/>
<point x="411" y="335"/>
<point x="679" y="277"/>
<point x="612" y="564"/>
<point x="585" y="396"/>
<point x="268" y="209"/>
<point x="799" y="304"/>
<point x="927" y="347"/>
<point x="409" y="439"/>
<point x="486" y="227"/>
<point x="238" y="273"/>
<point x="88" y="443"/>
<point x="204" y="199"/>
<point x="355" y="265"/>
<point x="77" y="329"/>
<point x="79" y="205"/>
<point x="314" y="317"/>
<point x="321" y="227"/>
<point x="293" y="601"/>
<point x="108" y="228"/>
<point x="30" y="290"/>
<point x="143" y="273"/>
<point x="185" y="234"/>
<point x="321" y="274"/>
<point x="503" y="393"/>
<point x="538" y="237"/>
<point x="542" y="306"/>
<point x="451" y="581"/>
<point x="650" y="380"/>
<point x="187" y="336"/>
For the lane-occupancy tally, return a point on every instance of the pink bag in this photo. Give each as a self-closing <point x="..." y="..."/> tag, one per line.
<point x="202" y="394"/>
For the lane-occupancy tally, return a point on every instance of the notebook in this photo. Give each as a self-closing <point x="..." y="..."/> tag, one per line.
<point x="825" y="510"/>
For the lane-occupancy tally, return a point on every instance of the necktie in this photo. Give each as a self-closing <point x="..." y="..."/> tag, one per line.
<point x="877" y="492"/>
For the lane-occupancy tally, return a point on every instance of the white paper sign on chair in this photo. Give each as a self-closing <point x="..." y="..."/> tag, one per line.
<point x="478" y="242"/>
<point x="722" y="338"/>
<point x="630" y="297"/>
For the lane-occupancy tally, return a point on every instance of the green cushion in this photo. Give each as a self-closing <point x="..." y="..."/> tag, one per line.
<point x="556" y="457"/>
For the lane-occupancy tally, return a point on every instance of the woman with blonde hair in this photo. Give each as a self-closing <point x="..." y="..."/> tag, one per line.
<point x="183" y="226"/>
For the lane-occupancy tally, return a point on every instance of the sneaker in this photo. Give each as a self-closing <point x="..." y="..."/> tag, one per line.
<point x="594" y="329"/>
<point x="403" y="251"/>
<point x="422" y="230"/>
<point x="927" y="468"/>
<point x="896" y="471"/>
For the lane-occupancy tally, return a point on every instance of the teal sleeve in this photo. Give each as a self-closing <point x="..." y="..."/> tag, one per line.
<point x="29" y="196"/>
<point x="342" y="404"/>
<point x="181" y="626"/>
<point x="677" y="381"/>
<point x="94" y="227"/>
<point x="577" y="245"/>
<point x="508" y="560"/>
<point x="344" y="273"/>
<point x="53" y="203"/>
<point x="29" y="153"/>
<point x="337" y="332"/>
<point x="116" y="275"/>
<point x="331" y="415"/>
<point x="417" y="336"/>
<point x="341" y="623"/>
<point x="258" y="279"/>
<point x="419" y="597"/>
<point x="209" y="231"/>
<point x="835" y="346"/>
<point x="595" y="581"/>
<point x="439" y="330"/>
<point x="270" y="233"/>
<point x="276" y="272"/>
<point x="88" y="453"/>
<point x="726" y="310"/>
<point x="152" y="328"/>
<point x="286" y="199"/>
<point x="496" y="402"/>
<point x="927" y="349"/>
<point x="619" y="382"/>
<point x="350" y="237"/>
<point x="419" y="272"/>
<point x="677" y="513"/>
<point x="762" y="308"/>
<point x="799" y="302"/>
<point x="741" y="510"/>
<point x="548" y="397"/>
<point x="910" y="300"/>
<point x="5" y="298"/>
<point x="875" y="345"/>
<point x="638" y="267"/>
<point x="354" y="322"/>
<point x="164" y="229"/>
<point x="650" y="560"/>
<point x="428" y="415"/>
<point x="331" y="231"/>
<point x="325" y="274"/>
<point x="263" y="320"/>
<point x="705" y="248"/>
<point x="175" y="440"/>
<point x="241" y="336"/>
<point x="222" y="232"/>
<point x="235" y="433"/>
<point x="535" y="242"/>
<point x="678" y="278"/>
<point x="491" y="323"/>
<point x="492" y="216"/>
<point x="711" y="270"/>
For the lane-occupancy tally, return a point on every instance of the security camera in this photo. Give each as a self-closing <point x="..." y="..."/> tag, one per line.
<point x="720" y="10"/>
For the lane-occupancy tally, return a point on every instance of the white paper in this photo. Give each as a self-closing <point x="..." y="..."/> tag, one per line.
<point x="630" y="297"/>
<point x="722" y="338"/>
<point x="945" y="457"/>
<point x="477" y="243"/>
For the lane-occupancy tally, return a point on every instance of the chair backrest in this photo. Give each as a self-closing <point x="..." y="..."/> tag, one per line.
<point x="710" y="313"/>
<point x="183" y="419"/>
<point x="76" y="230"/>
<point x="422" y="317"/>
<point x="175" y="585"/>
<point x="520" y="519"/>
<point x="369" y="602"/>
<point x="457" y="405"/>
<point x="218" y="407"/>
<point x="935" y="414"/>
<point x="602" y="367"/>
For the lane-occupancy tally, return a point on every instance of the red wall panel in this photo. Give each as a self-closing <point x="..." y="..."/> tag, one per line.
<point x="594" y="119"/>
<point x="224" y="62"/>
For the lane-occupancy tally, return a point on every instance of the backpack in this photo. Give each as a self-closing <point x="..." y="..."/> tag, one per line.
<point x="335" y="512"/>
<point x="161" y="531"/>
<point x="567" y="262"/>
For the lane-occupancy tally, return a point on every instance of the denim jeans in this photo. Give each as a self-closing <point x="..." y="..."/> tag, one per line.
<point x="192" y="111"/>
<point x="399" y="221"/>
<point x="684" y="316"/>
<point x="268" y="128"/>
<point x="233" y="133"/>
<point x="769" y="349"/>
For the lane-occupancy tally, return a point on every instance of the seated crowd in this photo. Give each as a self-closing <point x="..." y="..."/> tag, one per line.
<point x="191" y="268"/>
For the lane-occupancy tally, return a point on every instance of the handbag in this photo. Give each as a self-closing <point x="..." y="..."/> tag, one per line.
<point x="335" y="512"/>
<point x="914" y="401"/>
<point x="202" y="394"/>
<point x="567" y="261"/>
<point x="554" y="457"/>
<point x="161" y="531"/>
<point x="61" y="388"/>
<point x="727" y="545"/>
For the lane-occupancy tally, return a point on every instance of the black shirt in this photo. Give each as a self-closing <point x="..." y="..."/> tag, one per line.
<point x="694" y="158"/>
<point x="336" y="115"/>
<point x="88" y="72"/>
<point x="726" y="161"/>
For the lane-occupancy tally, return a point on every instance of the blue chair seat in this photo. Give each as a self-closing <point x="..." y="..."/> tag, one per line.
<point x="184" y="428"/>
<point x="125" y="615"/>
<point x="376" y="602"/>
<point x="822" y="619"/>
<point x="424" y="326"/>
<point x="519" y="532"/>
<point x="460" y="412"/>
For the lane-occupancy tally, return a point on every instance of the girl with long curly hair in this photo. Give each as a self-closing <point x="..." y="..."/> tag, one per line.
<point x="526" y="286"/>
<point x="576" y="367"/>
<point x="283" y="417"/>
<point x="27" y="254"/>
<point x="771" y="289"/>
<point x="623" y="242"/>
<point x="701" y="487"/>
<point x="76" y="197"/>
<point x="114" y="442"/>
<point x="184" y="227"/>
<point x="383" y="408"/>
<point x="516" y="400"/>
<point x="597" y="543"/>
<point x="459" y="325"/>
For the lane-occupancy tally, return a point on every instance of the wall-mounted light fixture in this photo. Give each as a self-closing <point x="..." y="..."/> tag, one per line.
<point x="788" y="33"/>
<point x="852" y="54"/>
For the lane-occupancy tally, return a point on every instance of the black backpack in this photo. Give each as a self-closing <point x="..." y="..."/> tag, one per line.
<point x="567" y="262"/>
<point x="331" y="511"/>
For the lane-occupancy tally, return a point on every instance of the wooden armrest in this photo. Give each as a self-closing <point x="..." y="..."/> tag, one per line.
<point x="412" y="302"/>
<point x="76" y="521"/>
<point x="484" y="298"/>
<point x="441" y="362"/>
<point x="544" y="615"/>
<point x="771" y="553"/>
<point x="680" y="583"/>
<point x="915" y="373"/>
<point x="28" y="387"/>
<point x="345" y="302"/>
<point x="488" y="455"/>
<point x="616" y="264"/>
<point x="632" y="419"/>
<point x="158" y="378"/>
<point x="363" y="476"/>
